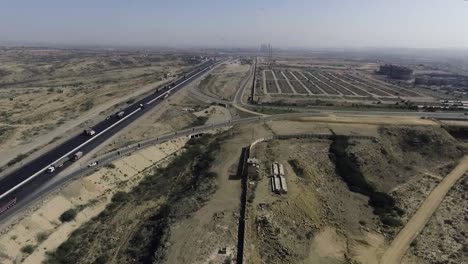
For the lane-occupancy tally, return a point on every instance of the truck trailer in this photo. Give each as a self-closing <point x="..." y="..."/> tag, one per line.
<point x="77" y="155"/>
<point x="89" y="132"/>
<point x="57" y="165"/>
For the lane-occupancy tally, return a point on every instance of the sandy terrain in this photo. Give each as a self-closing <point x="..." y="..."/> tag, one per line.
<point x="89" y="194"/>
<point x="225" y="80"/>
<point x="67" y="88"/>
<point x="314" y="221"/>
<point x="320" y="220"/>
<point x="343" y="124"/>
<point x="417" y="222"/>
<point x="443" y="239"/>
<point x="214" y="226"/>
<point x="171" y="115"/>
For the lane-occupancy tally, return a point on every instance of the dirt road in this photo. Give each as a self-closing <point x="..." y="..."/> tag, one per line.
<point x="416" y="224"/>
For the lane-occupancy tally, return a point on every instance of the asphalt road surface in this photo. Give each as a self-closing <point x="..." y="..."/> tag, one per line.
<point x="25" y="180"/>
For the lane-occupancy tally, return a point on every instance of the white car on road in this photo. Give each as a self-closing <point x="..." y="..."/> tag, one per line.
<point x="92" y="164"/>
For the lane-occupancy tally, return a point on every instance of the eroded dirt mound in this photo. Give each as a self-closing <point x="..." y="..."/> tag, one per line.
<point x="444" y="239"/>
<point x="403" y="152"/>
<point x="285" y="229"/>
<point x="356" y="190"/>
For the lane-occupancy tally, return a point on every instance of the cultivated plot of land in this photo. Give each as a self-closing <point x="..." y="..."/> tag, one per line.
<point x="355" y="89"/>
<point x="283" y="85"/>
<point x="322" y="83"/>
<point x="298" y="86"/>
<point x="329" y="83"/>
<point x="395" y="90"/>
<point x="308" y="83"/>
<point x="270" y="82"/>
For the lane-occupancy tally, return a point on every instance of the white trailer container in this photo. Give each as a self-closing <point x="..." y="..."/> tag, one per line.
<point x="284" y="187"/>
<point x="275" y="169"/>
<point x="281" y="169"/>
<point x="277" y="184"/>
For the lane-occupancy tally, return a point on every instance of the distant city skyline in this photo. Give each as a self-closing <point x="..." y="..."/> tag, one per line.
<point x="210" y="23"/>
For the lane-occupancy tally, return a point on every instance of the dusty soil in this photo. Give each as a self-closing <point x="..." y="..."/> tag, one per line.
<point x="443" y="240"/>
<point x="137" y="226"/>
<point x="225" y="80"/>
<point x="442" y="228"/>
<point x="314" y="222"/>
<point x="320" y="220"/>
<point x="45" y="93"/>
<point x="198" y="238"/>
<point x="41" y="227"/>
<point x="171" y="115"/>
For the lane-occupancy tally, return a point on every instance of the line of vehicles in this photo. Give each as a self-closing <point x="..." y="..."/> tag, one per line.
<point x="8" y="201"/>
<point x="91" y="132"/>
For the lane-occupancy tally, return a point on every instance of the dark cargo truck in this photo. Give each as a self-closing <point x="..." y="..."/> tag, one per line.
<point x="77" y="155"/>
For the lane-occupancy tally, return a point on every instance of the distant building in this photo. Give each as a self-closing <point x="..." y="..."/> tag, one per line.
<point x="442" y="79"/>
<point x="267" y="50"/>
<point x="396" y="72"/>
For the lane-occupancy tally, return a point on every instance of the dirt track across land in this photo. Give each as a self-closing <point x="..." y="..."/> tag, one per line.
<point x="416" y="224"/>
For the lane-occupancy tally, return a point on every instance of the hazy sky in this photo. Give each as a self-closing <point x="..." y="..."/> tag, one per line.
<point x="239" y="23"/>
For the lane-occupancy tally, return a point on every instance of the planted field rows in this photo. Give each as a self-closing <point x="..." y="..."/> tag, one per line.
<point x="369" y="88"/>
<point x="283" y="84"/>
<point x="322" y="83"/>
<point x="295" y="83"/>
<point x="336" y="85"/>
<point x="310" y="84"/>
<point x="390" y="89"/>
<point x="270" y="82"/>
<point x="314" y="82"/>
<point x="351" y="87"/>
<point x="373" y="84"/>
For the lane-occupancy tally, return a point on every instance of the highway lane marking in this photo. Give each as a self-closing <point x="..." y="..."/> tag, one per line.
<point x="177" y="85"/>
<point x="69" y="153"/>
<point x="91" y="139"/>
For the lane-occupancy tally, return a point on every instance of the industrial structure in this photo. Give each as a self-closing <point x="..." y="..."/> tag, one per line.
<point x="253" y="168"/>
<point x="442" y="79"/>
<point x="396" y="72"/>
<point x="278" y="180"/>
<point x="267" y="51"/>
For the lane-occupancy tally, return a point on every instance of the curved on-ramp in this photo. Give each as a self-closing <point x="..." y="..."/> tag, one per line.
<point x="415" y="225"/>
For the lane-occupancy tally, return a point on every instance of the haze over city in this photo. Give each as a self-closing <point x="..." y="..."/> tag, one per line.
<point x="211" y="23"/>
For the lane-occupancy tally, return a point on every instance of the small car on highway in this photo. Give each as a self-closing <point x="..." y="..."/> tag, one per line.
<point x="92" y="164"/>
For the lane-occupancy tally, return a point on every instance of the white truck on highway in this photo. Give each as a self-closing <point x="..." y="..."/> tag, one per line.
<point x="89" y="132"/>
<point x="57" y="165"/>
<point x="120" y="114"/>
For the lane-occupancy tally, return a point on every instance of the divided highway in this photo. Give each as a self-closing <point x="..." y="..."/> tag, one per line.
<point x="20" y="183"/>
